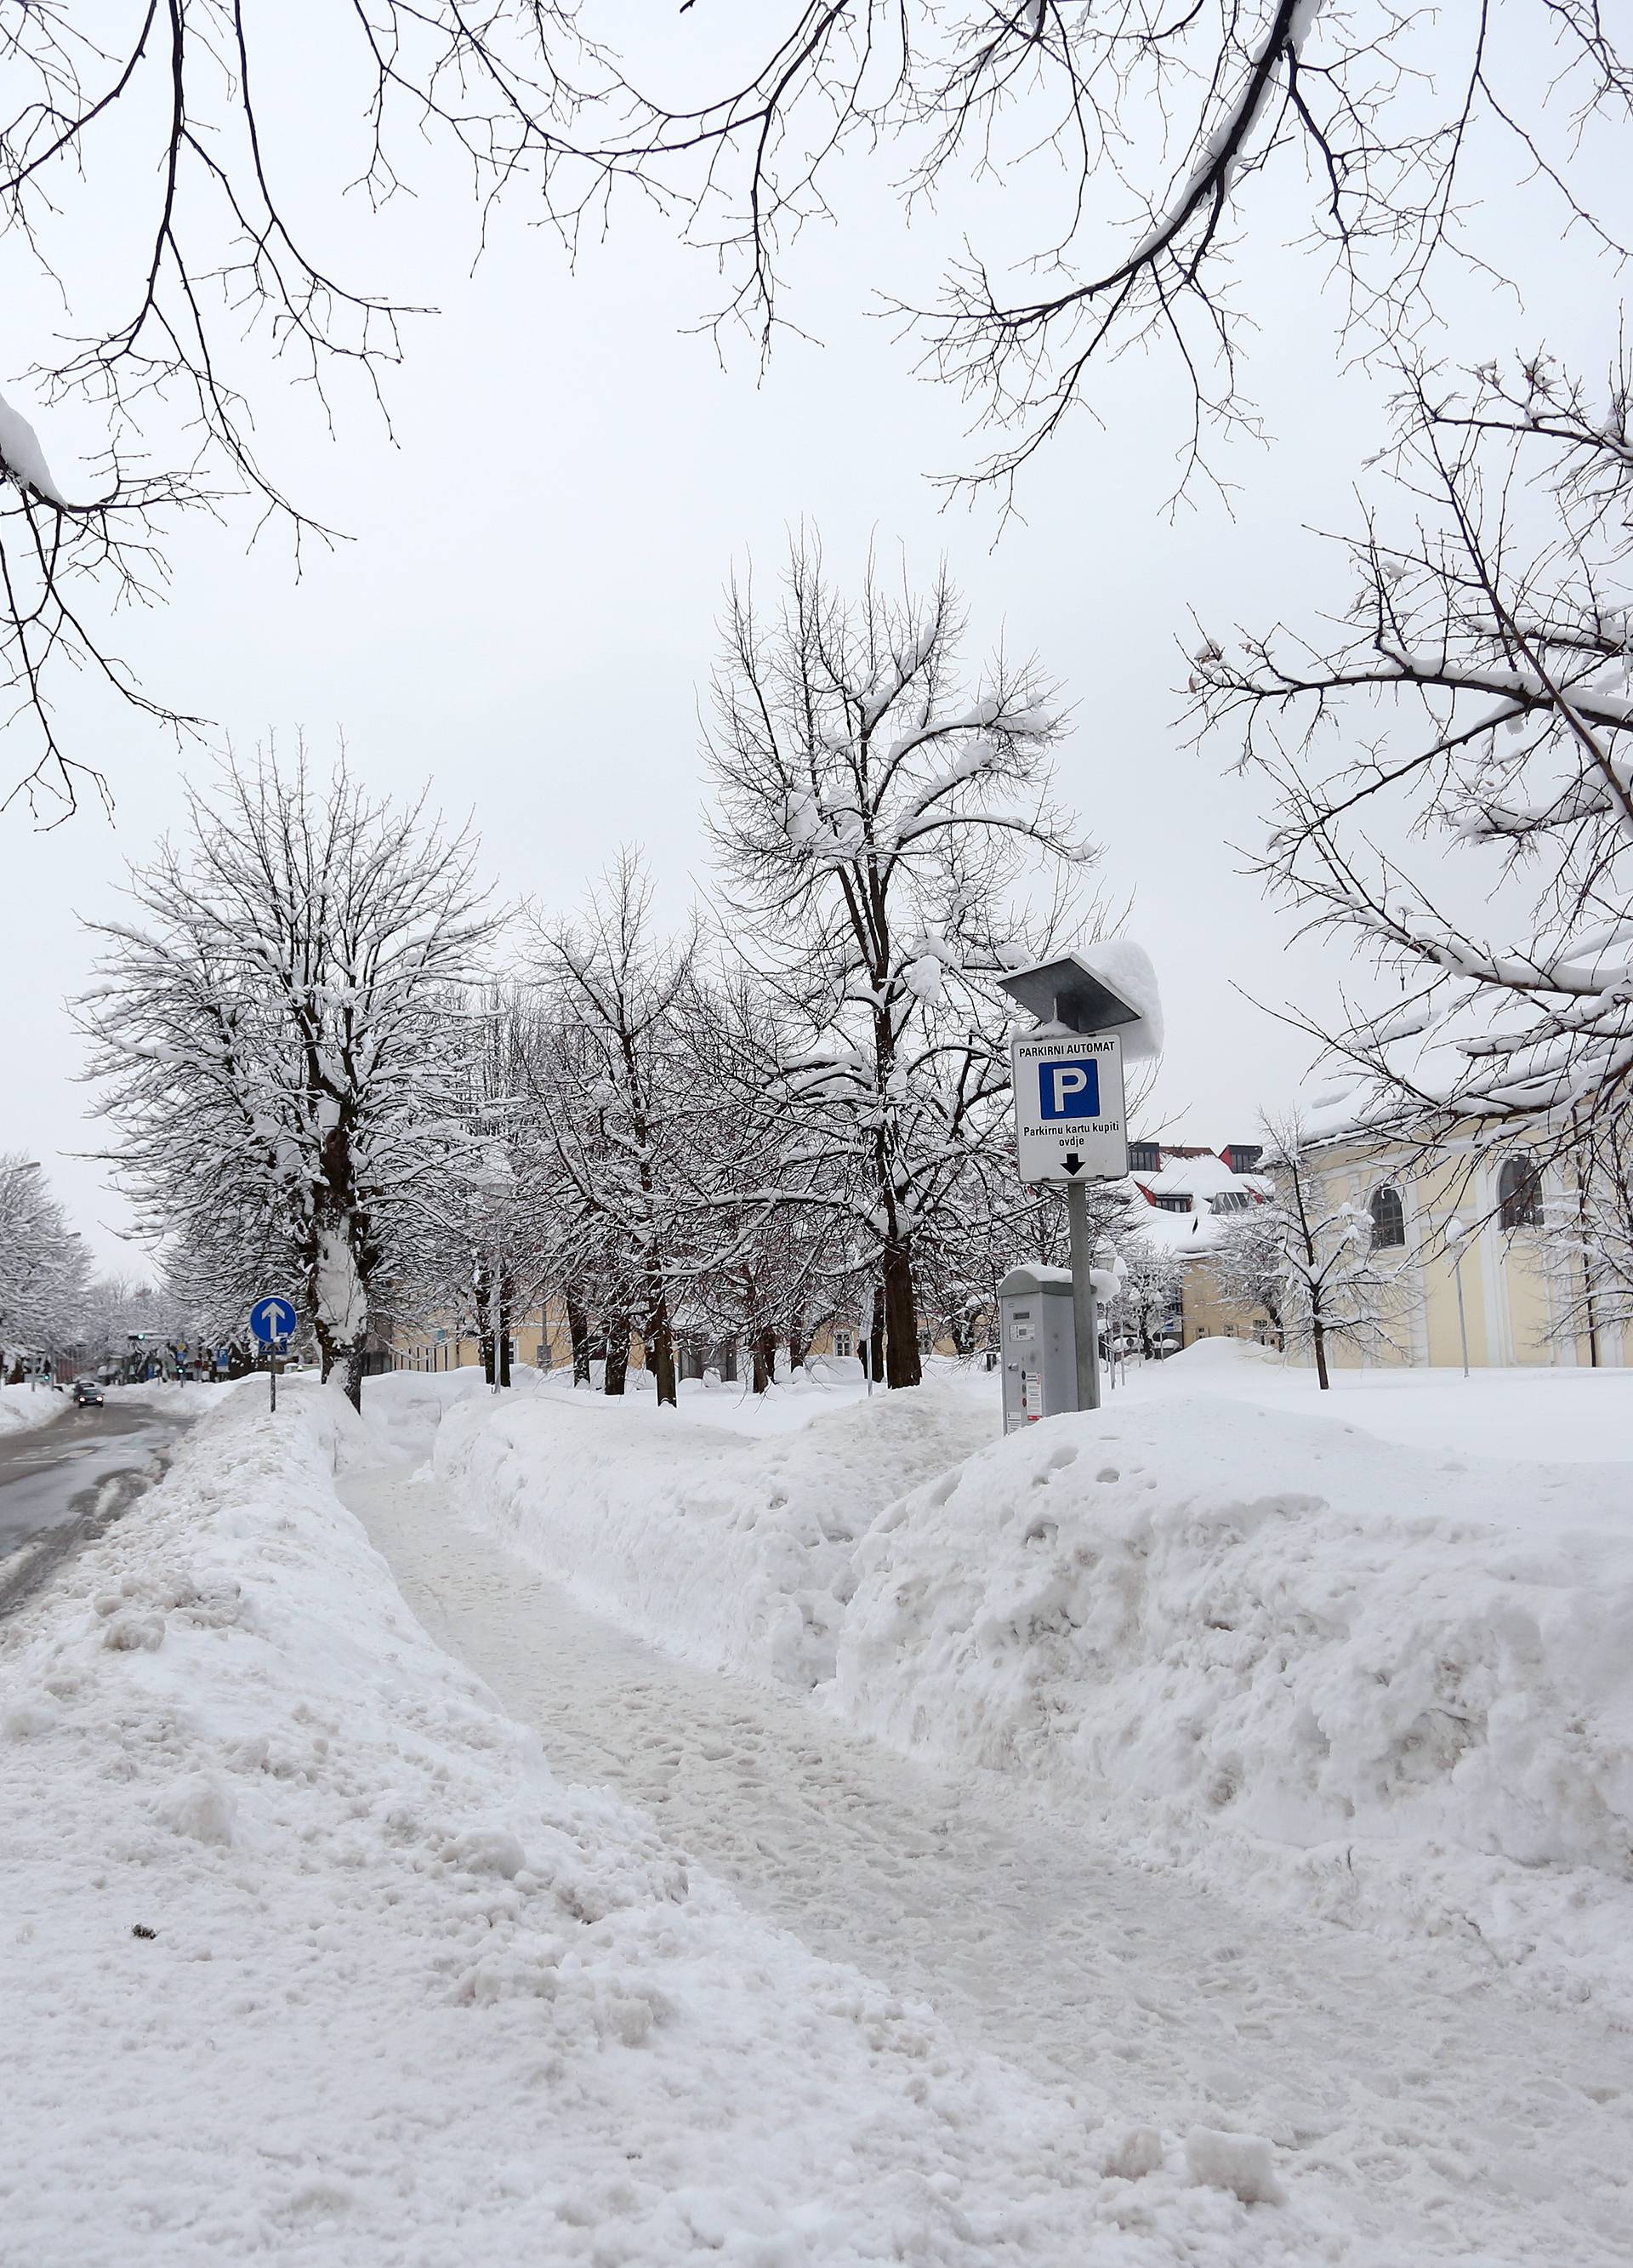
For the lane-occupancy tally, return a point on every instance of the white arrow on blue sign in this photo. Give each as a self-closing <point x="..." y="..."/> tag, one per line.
<point x="272" y="1319"/>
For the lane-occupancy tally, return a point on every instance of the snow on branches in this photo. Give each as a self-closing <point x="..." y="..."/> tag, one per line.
<point x="277" y="1026"/>
<point x="43" y="1264"/>
<point x="1329" y="1288"/>
<point x="1495" y="636"/>
<point x="877" y="818"/>
<point x="169" y="137"/>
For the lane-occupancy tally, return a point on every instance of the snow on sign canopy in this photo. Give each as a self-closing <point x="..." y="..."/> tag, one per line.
<point x="1107" y="986"/>
<point x="1094" y="1010"/>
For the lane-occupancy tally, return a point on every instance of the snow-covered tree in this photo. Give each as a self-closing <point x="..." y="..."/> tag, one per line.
<point x="1334" y="1291"/>
<point x="492" y="1247"/>
<point x="621" y="1112"/>
<point x="771" y="1257"/>
<point x="1247" y="1260"/>
<point x="119" y="1315"/>
<point x="1496" y="637"/>
<point x="877" y="813"/>
<point x="44" y="1266"/>
<point x="1150" y="1294"/>
<point x="1586" y="1241"/>
<point x="277" y="1025"/>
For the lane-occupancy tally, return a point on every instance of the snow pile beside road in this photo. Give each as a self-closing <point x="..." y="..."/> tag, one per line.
<point x="1238" y="1619"/>
<point x="731" y="1551"/>
<point x="308" y="1958"/>
<point x="22" y="1408"/>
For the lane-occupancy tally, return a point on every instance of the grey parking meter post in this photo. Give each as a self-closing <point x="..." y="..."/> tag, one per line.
<point x="1070" y="1123"/>
<point x="1085" y="1321"/>
<point x="1037" y="1345"/>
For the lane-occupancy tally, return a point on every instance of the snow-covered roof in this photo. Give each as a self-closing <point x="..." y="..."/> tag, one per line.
<point x="1195" y="1177"/>
<point x="1179" y="1233"/>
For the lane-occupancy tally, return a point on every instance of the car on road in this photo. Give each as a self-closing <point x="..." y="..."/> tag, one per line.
<point x="87" y="1393"/>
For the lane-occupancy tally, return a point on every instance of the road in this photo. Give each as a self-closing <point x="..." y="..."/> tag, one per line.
<point x="1433" y="2107"/>
<point x="62" y="1482"/>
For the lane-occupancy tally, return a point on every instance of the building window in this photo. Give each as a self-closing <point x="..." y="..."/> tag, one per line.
<point x="1519" y="1192"/>
<point x="843" y="1343"/>
<point x="1388" y="1220"/>
<point x="1145" y="1157"/>
<point x="1231" y="1201"/>
<point x="1171" y="1204"/>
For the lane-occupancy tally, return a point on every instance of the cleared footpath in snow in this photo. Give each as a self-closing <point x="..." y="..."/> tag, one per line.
<point x="1416" y="2096"/>
<point x="308" y="1957"/>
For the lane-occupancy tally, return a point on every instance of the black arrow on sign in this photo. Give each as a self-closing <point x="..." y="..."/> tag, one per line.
<point x="1072" y="1162"/>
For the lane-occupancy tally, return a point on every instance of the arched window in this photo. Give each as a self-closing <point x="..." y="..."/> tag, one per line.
<point x="1388" y="1219"/>
<point x="1519" y="1192"/>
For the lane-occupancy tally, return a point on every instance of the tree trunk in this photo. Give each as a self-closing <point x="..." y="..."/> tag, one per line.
<point x="578" y="1333"/>
<point x="1319" y="1336"/>
<point x="902" y="1366"/>
<point x="504" y="1329"/>
<point x="798" y="1344"/>
<point x="483" y="1287"/>
<point x="765" y="1358"/>
<point x="354" y="1376"/>
<point x="617" y="1356"/>
<point x="876" y="1338"/>
<point x="660" y="1348"/>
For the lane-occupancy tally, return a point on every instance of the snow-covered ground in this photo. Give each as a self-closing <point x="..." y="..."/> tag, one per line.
<point x="733" y="1548"/>
<point x="982" y="1912"/>
<point x="1532" y="1411"/>
<point x="1394" y="1688"/>
<point x="309" y="1957"/>
<point x="1344" y="1674"/>
<point x="1419" y="2099"/>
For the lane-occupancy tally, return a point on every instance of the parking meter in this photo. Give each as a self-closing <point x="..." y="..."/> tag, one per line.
<point x="1038" y="1345"/>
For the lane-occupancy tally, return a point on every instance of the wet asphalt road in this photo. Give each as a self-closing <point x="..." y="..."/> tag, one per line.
<point x="63" y="1483"/>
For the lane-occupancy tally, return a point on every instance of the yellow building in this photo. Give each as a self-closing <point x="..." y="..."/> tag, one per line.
<point x="1516" y="1293"/>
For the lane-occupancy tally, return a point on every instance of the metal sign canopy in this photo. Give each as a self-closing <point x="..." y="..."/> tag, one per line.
<point x="1068" y="992"/>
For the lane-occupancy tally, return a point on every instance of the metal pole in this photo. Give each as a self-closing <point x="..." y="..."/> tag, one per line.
<point x="1462" y="1322"/>
<point x="1084" y="1326"/>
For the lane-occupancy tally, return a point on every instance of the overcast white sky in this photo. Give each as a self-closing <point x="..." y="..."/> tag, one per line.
<point x="525" y="617"/>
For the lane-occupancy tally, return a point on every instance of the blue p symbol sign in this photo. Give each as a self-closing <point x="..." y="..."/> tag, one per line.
<point x="1070" y="1090"/>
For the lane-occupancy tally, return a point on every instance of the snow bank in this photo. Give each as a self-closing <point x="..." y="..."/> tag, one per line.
<point x="1245" y="1627"/>
<point x="1533" y="1411"/>
<point x="729" y="1550"/>
<point x="309" y="1958"/>
<point x="22" y="1408"/>
<point x="403" y="1408"/>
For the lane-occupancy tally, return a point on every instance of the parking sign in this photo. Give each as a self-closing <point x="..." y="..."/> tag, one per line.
<point x="1069" y="1113"/>
<point x="1069" y="1089"/>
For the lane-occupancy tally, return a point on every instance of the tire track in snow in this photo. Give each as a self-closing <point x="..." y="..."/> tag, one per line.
<point x="1435" y="2107"/>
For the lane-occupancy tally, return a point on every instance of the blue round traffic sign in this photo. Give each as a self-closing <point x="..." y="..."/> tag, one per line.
<point x="272" y="1319"/>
